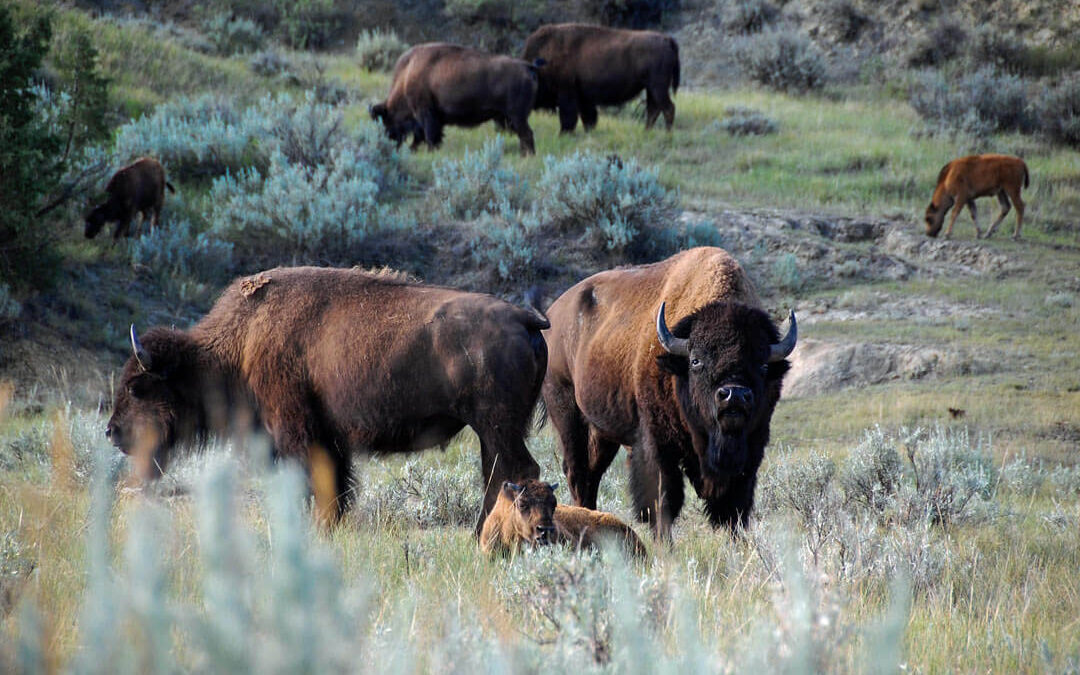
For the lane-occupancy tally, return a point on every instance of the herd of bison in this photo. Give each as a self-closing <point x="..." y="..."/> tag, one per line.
<point x="676" y="360"/>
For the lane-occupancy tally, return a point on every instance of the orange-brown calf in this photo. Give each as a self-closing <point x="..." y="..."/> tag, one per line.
<point x="526" y="512"/>
<point x="963" y="180"/>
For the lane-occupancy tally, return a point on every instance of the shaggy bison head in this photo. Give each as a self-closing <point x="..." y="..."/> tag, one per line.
<point x="533" y="510"/>
<point x="160" y="400"/>
<point x="728" y="361"/>
<point x="397" y="126"/>
<point x="96" y="220"/>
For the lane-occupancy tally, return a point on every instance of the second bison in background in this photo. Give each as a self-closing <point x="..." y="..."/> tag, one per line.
<point x="137" y="188"/>
<point x="963" y="180"/>
<point x="695" y="400"/>
<point x="589" y="66"/>
<point x="438" y="84"/>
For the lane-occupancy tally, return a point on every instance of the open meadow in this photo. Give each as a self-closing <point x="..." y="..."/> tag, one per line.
<point x="918" y="508"/>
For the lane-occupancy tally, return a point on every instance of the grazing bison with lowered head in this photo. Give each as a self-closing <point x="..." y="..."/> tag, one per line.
<point x="963" y="180"/>
<point x="438" y="84"/>
<point x="333" y="362"/>
<point x="527" y="513"/>
<point x="692" y="400"/>
<point x="588" y="66"/>
<point x="137" y="188"/>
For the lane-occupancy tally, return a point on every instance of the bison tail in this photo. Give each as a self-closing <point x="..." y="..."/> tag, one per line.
<point x="1027" y="178"/>
<point x="537" y="320"/>
<point x="675" y="70"/>
<point x="170" y="186"/>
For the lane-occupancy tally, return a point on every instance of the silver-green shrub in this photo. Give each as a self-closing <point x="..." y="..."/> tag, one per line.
<point x="951" y="477"/>
<point x="314" y="213"/>
<point x="784" y="60"/>
<point x="872" y="472"/>
<point x="742" y="121"/>
<point x="378" y="49"/>
<point x="980" y="103"/>
<point x="477" y="183"/>
<point x="177" y="250"/>
<point x="1058" y="110"/>
<point x="231" y="34"/>
<point x="204" y="136"/>
<point x="749" y="16"/>
<point x="787" y="274"/>
<point x="614" y="201"/>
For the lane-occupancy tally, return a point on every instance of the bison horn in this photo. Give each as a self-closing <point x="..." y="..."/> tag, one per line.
<point x="141" y="355"/>
<point x="670" y="343"/>
<point x="781" y="350"/>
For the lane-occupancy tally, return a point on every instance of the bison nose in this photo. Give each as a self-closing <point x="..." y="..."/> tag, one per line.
<point x="544" y="534"/>
<point x="734" y="396"/>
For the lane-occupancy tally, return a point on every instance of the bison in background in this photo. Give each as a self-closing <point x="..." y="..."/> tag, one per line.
<point x="694" y="400"/>
<point x="137" y="188"/>
<point x="333" y="362"/>
<point x="963" y="180"/>
<point x="527" y="513"/>
<point x="438" y="84"/>
<point x="588" y="66"/>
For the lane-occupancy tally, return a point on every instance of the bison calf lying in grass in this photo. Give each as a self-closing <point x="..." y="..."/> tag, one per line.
<point x="963" y="180"/>
<point x="527" y="512"/>
<point x="137" y="188"/>
<point x="438" y="84"/>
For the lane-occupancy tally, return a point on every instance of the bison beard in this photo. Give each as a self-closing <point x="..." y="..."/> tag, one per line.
<point x="333" y="362"/>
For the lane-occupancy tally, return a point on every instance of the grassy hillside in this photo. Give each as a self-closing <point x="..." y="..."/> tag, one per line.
<point x="889" y="532"/>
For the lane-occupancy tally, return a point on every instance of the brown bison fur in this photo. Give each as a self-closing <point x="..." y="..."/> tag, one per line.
<point x="339" y="361"/>
<point x="137" y="188"/>
<point x="527" y="513"/>
<point x="588" y="66"/>
<point x="964" y="180"/>
<point x="438" y="84"/>
<point x="695" y="400"/>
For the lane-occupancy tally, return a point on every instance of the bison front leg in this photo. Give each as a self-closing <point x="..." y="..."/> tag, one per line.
<point x="656" y="487"/>
<point x="975" y="219"/>
<point x="525" y="136"/>
<point x="589" y="115"/>
<point x="568" y="114"/>
<point x="960" y="203"/>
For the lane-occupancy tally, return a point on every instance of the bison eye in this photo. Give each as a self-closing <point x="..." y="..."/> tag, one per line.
<point x="695" y="363"/>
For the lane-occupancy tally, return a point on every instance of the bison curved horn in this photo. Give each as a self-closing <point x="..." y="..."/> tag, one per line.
<point x="141" y="355"/>
<point x="670" y="343"/>
<point x="782" y="349"/>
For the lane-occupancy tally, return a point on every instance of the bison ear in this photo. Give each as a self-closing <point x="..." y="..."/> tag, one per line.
<point x="511" y="490"/>
<point x="553" y="486"/>
<point x="674" y="364"/>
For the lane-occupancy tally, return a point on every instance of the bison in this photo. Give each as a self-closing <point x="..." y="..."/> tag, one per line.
<point x="332" y="362"/>
<point x="694" y="400"/>
<point x="963" y="180"/>
<point x="137" y="188"/>
<point x="527" y="513"/>
<point x="589" y="66"/>
<point x="438" y="84"/>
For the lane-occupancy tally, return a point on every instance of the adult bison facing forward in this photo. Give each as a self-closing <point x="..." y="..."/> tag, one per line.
<point x="693" y="400"/>
<point x="589" y="66"/>
<point x="333" y="362"/>
<point x="438" y="84"/>
<point x="137" y="188"/>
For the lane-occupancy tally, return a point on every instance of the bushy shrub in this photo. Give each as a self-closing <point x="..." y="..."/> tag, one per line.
<point x="1058" y="111"/>
<point x="477" y="183"/>
<point x="784" y="60"/>
<point x="231" y="34"/>
<point x="1022" y="476"/>
<point x="628" y="13"/>
<point x="950" y="475"/>
<point x="502" y="242"/>
<point x="269" y="63"/>
<point x="314" y="213"/>
<point x="612" y="200"/>
<point x="803" y="486"/>
<point x="305" y="132"/>
<point x="307" y="24"/>
<point x="991" y="46"/>
<point x="787" y="274"/>
<point x="941" y="43"/>
<point x="741" y="121"/>
<point x="1065" y="481"/>
<point x="843" y="19"/>
<point x="204" y="136"/>
<point x="871" y="474"/>
<point x="749" y="16"/>
<point x="980" y="104"/>
<point x="377" y="49"/>
<point x="177" y="250"/>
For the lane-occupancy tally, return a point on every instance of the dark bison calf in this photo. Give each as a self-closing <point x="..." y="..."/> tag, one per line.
<point x="137" y="188"/>
<point x="587" y="66"/>
<point x="332" y="362"/>
<point x="438" y="84"/>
